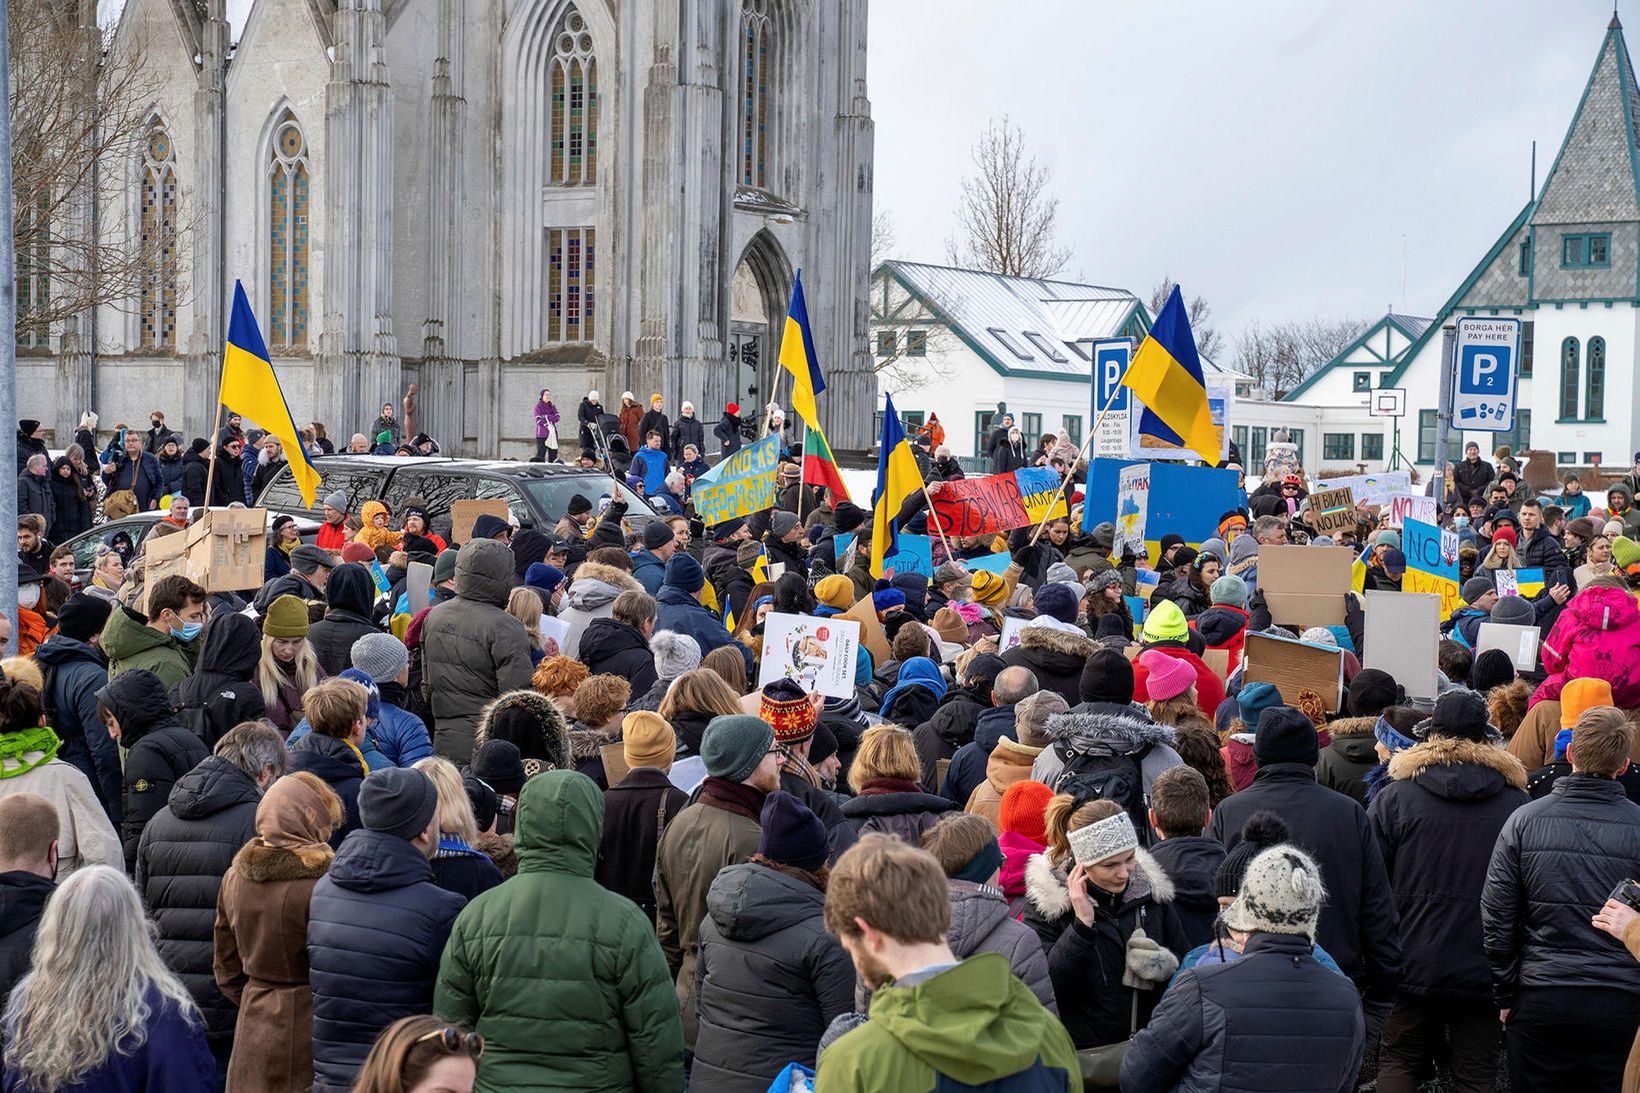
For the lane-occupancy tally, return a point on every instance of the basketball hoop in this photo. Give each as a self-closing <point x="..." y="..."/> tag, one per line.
<point x="1387" y="402"/>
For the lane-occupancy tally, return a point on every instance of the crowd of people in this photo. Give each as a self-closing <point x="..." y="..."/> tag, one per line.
<point x="555" y="828"/>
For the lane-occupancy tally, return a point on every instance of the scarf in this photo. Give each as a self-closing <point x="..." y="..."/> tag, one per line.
<point x="736" y="797"/>
<point x="798" y="766"/>
<point x="451" y="845"/>
<point x="15" y="745"/>
<point x="875" y="786"/>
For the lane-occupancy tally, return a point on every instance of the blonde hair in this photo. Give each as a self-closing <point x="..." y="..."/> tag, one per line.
<point x="1061" y="817"/>
<point x="455" y="810"/>
<point x="699" y="691"/>
<point x="86" y="997"/>
<point x="269" y="673"/>
<point x="886" y="751"/>
<point x="525" y="606"/>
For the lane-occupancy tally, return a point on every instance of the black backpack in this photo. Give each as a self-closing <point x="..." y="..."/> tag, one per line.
<point x="1102" y="776"/>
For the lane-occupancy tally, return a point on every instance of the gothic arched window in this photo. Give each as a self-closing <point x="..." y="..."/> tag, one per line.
<point x="289" y="204"/>
<point x="756" y="67"/>
<point x="574" y="133"/>
<point x="158" y="241"/>
<point x="1568" y="379"/>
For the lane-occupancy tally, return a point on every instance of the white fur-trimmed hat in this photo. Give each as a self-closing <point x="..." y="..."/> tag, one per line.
<point x="1103" y="839"/>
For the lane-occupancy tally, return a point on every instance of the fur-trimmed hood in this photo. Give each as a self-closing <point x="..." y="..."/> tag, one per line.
<point x="1351" y="726"/>
<point x="1458" y="770"/>
<point x="1047" y="888"/>
<point x="596" y="585"/>
<point x="533" y="722"/>
<point x="1058" y="641"/>
<point x="586" y="744"/>
<point x="1096" y="727"/>
<point x="264" y="864"/>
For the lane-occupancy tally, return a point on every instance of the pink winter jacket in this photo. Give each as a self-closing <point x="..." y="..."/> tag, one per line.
<point x="1596" y="637"/>
<point x="1016" y="851"/>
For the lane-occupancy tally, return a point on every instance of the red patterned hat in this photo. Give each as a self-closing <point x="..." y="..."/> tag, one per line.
<point x="788" y="710"/>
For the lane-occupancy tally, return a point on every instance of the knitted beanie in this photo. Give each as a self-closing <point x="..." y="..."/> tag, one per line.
<point x="787" y="709"/>
<point x="1286" y="735"/>
<point x="647" y="740"/>
<point x="989" y="588"/>
<point x="674" y="653"/>
<point x="1056" y="601"/>
<point x="656" y="535"/>
<point x="1580" y="695"/>
<point x="1166" y="677"/>
<point x="791" y="834"/>
<point x="1262" y="830"/>
<point x="287" y="617"/>
<point x="397" y="801"/>
<point x="734" y="744"/>
<point x="835" y="591"/>
<point x="380" y="656"/>
<point x="1492" y="668"/>
<point x="684" y="573"/>
<point x="1253" y="699"/>
<point x="1022" y="811"/>
<point x="1229" y="590"/>
<point x="1282" y="893"/>
<point x="1106" y="677"/>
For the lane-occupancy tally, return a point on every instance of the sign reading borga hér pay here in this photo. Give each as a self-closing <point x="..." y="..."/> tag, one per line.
<point x="1486" y="359"/>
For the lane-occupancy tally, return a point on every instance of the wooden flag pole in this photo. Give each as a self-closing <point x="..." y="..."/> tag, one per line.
<point x="933" y="518"/>
<point x="216" y="428"/>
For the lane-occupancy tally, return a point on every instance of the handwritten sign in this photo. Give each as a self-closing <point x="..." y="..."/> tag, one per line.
<point x="1332" y="511"/>
<point x="1432" y="563"/>
<point x="1409" y="506"/>
<point x="465" y="512"/>
<point x="997" y="503"/>
<point x="1504" y="581"/>
<point x="740" y="485"/>
<point x="1132" y="506"/>
<point x="1374" y="489"/>
<point x="915" y="554"/>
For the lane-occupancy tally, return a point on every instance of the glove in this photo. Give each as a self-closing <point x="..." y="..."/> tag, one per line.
<point x="1147" y="964"/>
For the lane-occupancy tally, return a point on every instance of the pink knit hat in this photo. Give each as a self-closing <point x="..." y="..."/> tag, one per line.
<point x="1166" y="677"/>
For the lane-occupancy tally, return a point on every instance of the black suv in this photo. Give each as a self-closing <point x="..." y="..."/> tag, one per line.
<point x="536" y="493"/>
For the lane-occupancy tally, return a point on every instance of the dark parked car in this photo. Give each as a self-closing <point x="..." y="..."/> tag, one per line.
<point x="139" y="524"/>
<point x="536" y="493"/>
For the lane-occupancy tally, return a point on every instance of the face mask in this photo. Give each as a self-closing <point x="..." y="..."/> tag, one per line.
<point x="28" y="595"/>
<point x="188" y="631"/>
<point x="155" y="422"/>
<point x="1461" y="521"/>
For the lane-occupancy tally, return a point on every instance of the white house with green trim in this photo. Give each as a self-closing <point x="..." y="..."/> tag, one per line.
<point x="961" y="343"/>
<point x="1568" y="266"/>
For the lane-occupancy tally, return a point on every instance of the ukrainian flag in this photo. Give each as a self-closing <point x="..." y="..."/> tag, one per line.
<point x="897" y="479"/>
<point x="251" y="390"/>
<point x="797" y="356"/>
<point x="1166" y="375"/>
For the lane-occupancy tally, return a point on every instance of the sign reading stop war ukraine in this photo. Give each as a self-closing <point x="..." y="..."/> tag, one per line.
<point x="740" y="485"/>
<point x="998" y="502"/>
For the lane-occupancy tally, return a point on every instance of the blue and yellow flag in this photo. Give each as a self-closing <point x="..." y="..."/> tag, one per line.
<point x="897" y="479"/>
<point x="251" y="390"/>
<point x="1166" y="375"/>
<point x="797" y="356"/>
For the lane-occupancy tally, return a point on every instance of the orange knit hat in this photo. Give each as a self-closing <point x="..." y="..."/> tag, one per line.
<point x="1023" y="806"/>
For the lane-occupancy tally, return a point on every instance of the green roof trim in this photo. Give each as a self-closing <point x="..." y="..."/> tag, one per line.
<point x="1338" y="361"/>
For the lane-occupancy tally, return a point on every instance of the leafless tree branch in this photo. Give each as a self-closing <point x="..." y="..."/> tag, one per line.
<point x="1006" y="217"/>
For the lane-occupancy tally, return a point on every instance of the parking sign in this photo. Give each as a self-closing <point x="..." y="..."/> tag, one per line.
<point x="1486" y="359"/>
<point x="1110" y="364"/>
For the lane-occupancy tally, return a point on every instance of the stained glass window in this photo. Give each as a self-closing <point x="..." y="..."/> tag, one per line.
<point x="574" y="108"/>
<point x="157" y="311"/>
<point x="289" y="204"/>
<point x="570" y="276"/>
<point x="33" y="271"/>
<point x="755" y="58"/>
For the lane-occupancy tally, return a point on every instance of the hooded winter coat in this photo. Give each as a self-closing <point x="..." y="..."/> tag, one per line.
<point x="74" y="673"/>
<point x="1359" y="924"/>
<point x="223" y="691"/>
<point x="1224" y="627"/>
<point x="969" y="766"/>
<point x="185" y="852"/>
<point x="683" y="614"/>
<point x="1437" y="819"/>
<point x="982" y="923"/>
<point x="1192" y="862"/>
<point x="1555" y="862"/>
<point x="129" y="643"/>
<point x="1055" y="656"/>
<point x="72" y="505"/>
<point x="614" y="647"/>
<point x="591" y="595"/>
<point x="1105" y="728"/>
<point x="1209" y="687"/>
<point x="534" y="724"/>
<point x="376" y="928"/>
<point x="1596" y="636"/>
<point x="158" y="751"/>
<point x="1347" y="759"/>
<point x="974" y="1023"/>
<point x="23" y="898"/>
<point x="229" y="484"/>
<point x="732" y="583"/>
<point x="950" y="727"/>
<point x="563" y="979"/>
<point x="1231" y="1026"/>
<point x="351" y="593"/>
<point x="472" y="649"/>
<point x="1086" y="962"/>
<point x="768" y="981"/>
<point x="84" y="835"/>
<point x="1009" y="762"/>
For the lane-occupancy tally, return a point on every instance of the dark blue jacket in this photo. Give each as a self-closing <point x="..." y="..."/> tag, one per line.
<point x="377" y="925"/>
<point x="1233" y="1026"/>
<point x="649" y="571"/>
<point x="75" y="672"/>
<point x="147" y="481"/>
<point x="339" y="766"/>
<point x="967" y="769"/>
<point x="682" y="614"/>
<point x="173" y="1055"/>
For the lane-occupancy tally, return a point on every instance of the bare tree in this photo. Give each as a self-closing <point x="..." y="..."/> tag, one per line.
<point x="1209" y="342"/>
<point x="883" y="237"/>
<point x="1279" y="357"/>
<point x="79" y="118"/>
<point x="1006" y="217"/>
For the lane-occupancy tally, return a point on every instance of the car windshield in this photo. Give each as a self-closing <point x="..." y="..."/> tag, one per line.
<point x="551" y="495"/>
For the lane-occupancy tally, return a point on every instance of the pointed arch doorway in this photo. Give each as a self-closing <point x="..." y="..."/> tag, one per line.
<point x="758" y="294"/>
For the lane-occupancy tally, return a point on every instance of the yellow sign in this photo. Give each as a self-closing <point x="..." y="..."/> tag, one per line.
<point x="1417" y="580"/>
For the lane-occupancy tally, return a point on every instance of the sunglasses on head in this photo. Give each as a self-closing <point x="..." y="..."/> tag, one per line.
<point x="455" y="1041"/>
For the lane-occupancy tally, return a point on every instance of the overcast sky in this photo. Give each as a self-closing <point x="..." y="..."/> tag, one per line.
<point x="1271" y="155"/>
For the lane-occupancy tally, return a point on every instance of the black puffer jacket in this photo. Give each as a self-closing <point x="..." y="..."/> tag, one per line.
<point x="733" y="585"/>
<point x="951" y="726"/>
<point x="1353" y="752"/>
<point x="222" y="692"/>
<point x="1192" y="862"/>
<point x="768" y="979"/>
<point x="1232" y="1026"/>
<point x="339" y="765"/>
<point x="1556" y="861"/>
<point x="158" y="750"/>
<point x="22" y="902"/>
<point x="184" y="854"/>
<point x="614" y="647"/>
<point x="1359" y="925"/>
<point x="1056" y="657"/>
<point x="1470" y="479"/>
<point x="195" y="470"/>
<point x="1437" y="819"/>
<point x="351" y="593"/>
<point x="895" y="810"/>
<point x="377" y="925"/>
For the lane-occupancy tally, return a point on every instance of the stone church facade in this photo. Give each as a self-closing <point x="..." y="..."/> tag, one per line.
<point x="487" y="197"/>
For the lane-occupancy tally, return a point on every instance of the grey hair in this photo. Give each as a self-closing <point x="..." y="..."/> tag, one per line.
<point x="1015" y="683"/>
<point x="37" y="460"/>
<point x="253" y="747"/>
<point x="87" y="995"/>
<point x="1264" y="525"/>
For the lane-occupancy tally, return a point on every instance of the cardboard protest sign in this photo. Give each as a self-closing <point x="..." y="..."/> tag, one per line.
<point x="740" y="485"/>
<point x="1432" y="563"/>
<point x="1332" y="511"/>
<point x="1132" y="508"/>
<point x="1294" y="666"/>
<point x="223" y="551"/>
<point x="1520" y="642"/>
<point x="465" y="512"/>
<point x="997" y="503"/>
<point x="915" y="555"/>
<point x="1409" y="506"/>
<point x="614" y="759"/>
<point x="1374" y="489"/>
<point x="1185" y="500"/>
<point x="1219" y="661"/>
<point x="1009" y="637"/>
<point x="872" y="635"/>
<point x="817" y="654"/>
<point x="1305" y="585"/>
<point x="1401" y="636"/>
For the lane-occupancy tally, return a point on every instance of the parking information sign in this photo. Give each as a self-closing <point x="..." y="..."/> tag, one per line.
<point x="1110" y="364"/>
<point x="1487" y="358"/>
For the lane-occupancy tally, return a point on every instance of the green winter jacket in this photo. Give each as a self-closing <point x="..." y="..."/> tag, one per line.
<point x="563" y="978"/>
<point x="130" y="643"/>
<point x="974" y="1023"/>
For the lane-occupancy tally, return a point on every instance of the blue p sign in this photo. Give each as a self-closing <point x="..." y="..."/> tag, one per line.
<point x="1110" y="362"/>
<point x="1485" y="369"/>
